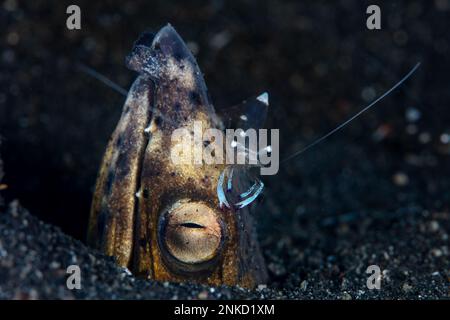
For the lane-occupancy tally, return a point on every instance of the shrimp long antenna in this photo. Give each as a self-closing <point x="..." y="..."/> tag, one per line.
<point x="342" y="125"/>
<point x="102" y="78"/>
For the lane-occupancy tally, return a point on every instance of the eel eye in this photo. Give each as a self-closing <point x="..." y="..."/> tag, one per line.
<point x="191" y="233"/>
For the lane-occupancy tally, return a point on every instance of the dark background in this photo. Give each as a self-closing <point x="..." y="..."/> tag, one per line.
<point x="377" y="192"/>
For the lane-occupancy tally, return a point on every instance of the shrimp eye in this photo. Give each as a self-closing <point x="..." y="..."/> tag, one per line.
<point x="190" y="235"/>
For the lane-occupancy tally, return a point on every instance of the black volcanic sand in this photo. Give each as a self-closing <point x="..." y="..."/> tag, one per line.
<point x="377" y="193"/>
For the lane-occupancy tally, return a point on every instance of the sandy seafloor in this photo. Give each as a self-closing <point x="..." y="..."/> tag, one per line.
<point x="375" y="193"/>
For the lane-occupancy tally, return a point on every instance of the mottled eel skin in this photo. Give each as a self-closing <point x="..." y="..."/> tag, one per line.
<point x="162" y="221"/>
